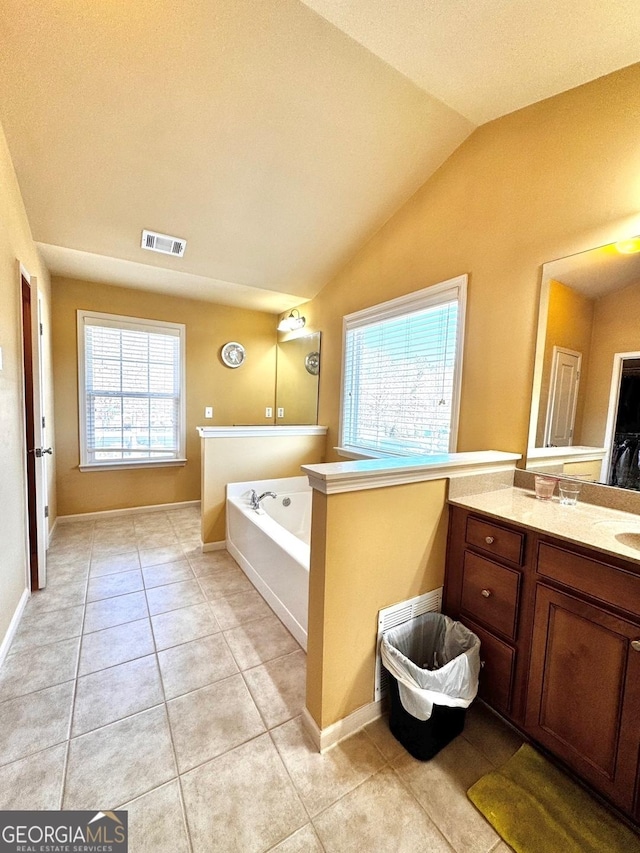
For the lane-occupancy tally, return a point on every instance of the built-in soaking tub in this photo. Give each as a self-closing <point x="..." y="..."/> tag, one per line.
<point x="272" y="545"/>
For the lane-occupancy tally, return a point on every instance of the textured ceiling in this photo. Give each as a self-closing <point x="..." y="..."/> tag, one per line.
<point x="259" y="131"/>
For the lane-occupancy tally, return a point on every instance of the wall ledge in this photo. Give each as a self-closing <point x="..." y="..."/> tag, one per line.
<point x="537" y="456"/>
<point x="259" y="431"/>
<point x="334" y="477"/>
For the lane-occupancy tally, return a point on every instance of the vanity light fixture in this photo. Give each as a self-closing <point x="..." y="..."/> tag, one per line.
<point x="292" y="322"/>
<point x="630" y="246"/>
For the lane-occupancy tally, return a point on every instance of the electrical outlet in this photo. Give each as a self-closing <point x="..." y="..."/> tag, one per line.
<point x="208" y="411"/>
<point x="268" y="412"/>
<point x="280" y="412"/>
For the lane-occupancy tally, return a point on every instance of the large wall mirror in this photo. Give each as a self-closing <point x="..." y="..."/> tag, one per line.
<point x="585" y="408"/>
<point x="297" y="380"/>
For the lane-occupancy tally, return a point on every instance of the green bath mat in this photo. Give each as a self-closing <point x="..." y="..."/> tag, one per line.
<point x="537" y="809"/>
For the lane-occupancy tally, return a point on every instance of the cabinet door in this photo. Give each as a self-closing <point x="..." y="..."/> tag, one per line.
<point x="583" y="699"/>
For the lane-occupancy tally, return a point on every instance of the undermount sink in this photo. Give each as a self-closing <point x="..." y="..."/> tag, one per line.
<point x="625" y="532"/>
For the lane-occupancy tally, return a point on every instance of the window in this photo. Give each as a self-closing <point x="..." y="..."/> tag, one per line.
<point x="131" y="380"/>
<point x="401" y="374"/>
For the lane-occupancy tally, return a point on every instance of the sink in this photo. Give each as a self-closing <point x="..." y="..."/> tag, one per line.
<point x="625" y="532"/>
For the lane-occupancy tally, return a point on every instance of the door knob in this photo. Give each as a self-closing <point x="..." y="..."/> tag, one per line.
<point x="635" y="645"/>
<point x="40" y="451"/>
<point x="486" y="593"/>
<point x="489" y="540"/>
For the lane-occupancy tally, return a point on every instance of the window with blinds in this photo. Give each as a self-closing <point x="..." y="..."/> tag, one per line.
<point x="131" y="390"/>
<point x="401" y="374"/>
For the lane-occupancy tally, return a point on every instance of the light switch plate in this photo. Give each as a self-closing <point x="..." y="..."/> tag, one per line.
<point x="280" y="412"/>
<point x="208" y="412"/>
<point x="268" y="412"/>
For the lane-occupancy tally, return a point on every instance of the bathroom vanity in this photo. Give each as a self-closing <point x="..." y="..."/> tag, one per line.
<point x="553" y="593"/>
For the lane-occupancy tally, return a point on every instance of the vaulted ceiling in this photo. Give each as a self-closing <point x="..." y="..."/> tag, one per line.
<point x="275" y="136"/>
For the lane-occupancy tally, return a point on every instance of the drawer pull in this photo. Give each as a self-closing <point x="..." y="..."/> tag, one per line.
<point x="489" y="540"/>
<point x="635" y="645"/>
<point x="486" y="593"/>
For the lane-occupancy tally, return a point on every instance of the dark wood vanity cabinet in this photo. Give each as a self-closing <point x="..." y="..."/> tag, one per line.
<point x="560" y="633"/>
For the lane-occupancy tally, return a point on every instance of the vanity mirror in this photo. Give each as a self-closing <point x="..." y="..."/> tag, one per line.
<point x="297" y="380"/>
<point x="585" y="408"/>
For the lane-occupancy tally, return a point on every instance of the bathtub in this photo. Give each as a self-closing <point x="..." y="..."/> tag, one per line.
<point x="272" y="546"/>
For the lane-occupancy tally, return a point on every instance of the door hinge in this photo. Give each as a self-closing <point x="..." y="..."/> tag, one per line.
<point x="41" y="329"/>
<point x="43" y="422"/>
<point x="46" y="512"/>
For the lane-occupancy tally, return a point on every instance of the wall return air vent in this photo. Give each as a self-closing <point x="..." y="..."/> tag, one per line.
<point x="163" y="243"/>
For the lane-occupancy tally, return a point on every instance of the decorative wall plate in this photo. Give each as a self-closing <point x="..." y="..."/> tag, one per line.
<point x="233" y="354"/>
<point x="312" y="363"/>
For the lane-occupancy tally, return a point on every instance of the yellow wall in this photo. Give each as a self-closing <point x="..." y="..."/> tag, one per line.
<point x="237" y="460"/>
<point x="16" y="244"/>
<point x="542" y="183"/>
<point x="238" y="396"/>
<point x="616" y="328"/>
<point x="369" y="549"/>
<point x="569" y="325"/>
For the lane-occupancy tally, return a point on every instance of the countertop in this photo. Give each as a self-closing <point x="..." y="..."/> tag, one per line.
<point x="606" y="530"/>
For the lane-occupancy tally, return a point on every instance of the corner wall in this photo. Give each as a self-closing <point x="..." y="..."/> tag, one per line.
<point x="16" y="245"/>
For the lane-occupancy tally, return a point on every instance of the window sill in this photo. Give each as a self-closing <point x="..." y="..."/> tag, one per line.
<point x="139" y="463"/>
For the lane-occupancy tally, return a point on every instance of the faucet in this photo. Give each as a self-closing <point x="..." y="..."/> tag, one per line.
<point x="254" y="500"/>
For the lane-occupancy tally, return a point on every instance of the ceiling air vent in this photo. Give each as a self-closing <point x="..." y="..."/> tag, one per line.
<point x="163" y="243"/>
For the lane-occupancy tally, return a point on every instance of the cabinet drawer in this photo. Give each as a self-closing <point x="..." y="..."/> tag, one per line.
<point x="490" y="593"/>
<point x="606" y="583"/>
<point x="496" y="540"/>
<point x="498" y="666"/>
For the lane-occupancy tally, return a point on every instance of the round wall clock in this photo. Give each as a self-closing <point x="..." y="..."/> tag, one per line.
<point x="233" y="354"/>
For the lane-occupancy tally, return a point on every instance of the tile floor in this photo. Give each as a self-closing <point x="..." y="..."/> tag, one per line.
<point x="152" y="677"/>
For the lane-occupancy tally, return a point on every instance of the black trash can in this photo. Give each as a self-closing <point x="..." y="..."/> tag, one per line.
<point x="437" y="662"/>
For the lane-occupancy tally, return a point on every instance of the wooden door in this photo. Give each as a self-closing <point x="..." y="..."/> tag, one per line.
<point x="584" y="691"/>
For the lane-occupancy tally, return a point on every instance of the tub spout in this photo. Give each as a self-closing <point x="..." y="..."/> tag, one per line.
<point x="254" y="500"/>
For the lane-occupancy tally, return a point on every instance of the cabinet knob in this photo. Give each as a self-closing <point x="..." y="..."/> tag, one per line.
<point x="635" y="645"/>
<point x="487" y="592"/>
<point x="489" y="540"/>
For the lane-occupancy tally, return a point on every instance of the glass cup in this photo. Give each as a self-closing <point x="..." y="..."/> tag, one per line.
<point x="569" y="493"/>
<point x="545" y="487"/>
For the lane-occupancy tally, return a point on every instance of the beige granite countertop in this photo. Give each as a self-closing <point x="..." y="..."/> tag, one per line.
<point x="607" y="530"/>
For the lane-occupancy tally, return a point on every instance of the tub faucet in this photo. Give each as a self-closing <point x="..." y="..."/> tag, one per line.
<point x="254" y="500"/>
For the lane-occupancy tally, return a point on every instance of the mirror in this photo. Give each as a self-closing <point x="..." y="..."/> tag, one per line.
<point x="297" y="380"/>
<point x="585" y="408"/>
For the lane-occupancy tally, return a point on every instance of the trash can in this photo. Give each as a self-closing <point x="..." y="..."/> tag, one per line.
<point x="433" y="663"/>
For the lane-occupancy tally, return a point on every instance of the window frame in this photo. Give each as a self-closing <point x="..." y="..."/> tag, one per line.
<point x="122" y="321"/>
<point x="418" y="300"/>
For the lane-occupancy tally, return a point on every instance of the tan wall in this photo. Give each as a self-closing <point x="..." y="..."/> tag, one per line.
<point x="542" y="183"/>
<point x="236" y="460"/>
<point x="16" y="244"/>
<point x="238" y="396"/>
<point x="569" y="325"/>
<point x="616" y="328"/>
<point x="369" y="550"/>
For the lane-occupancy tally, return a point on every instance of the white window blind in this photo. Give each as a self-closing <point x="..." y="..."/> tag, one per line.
<point x="131" y="379"/>
<point x="401" y="374"/>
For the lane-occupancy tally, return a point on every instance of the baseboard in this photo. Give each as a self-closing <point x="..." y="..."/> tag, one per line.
<point x="213" y="546"/>
<point x="324" y="739"/>
<point x="13" y="625"/>
<point x="114" y="513"/>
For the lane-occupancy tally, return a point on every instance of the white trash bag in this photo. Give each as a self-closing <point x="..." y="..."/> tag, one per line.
<point x="435" y="660"/>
